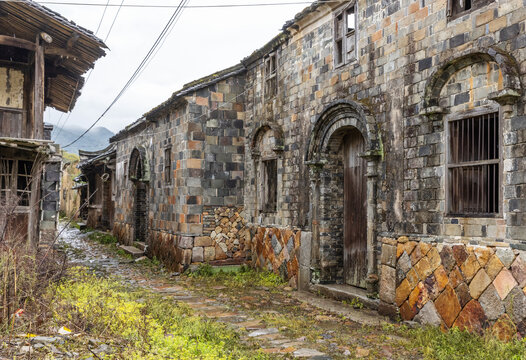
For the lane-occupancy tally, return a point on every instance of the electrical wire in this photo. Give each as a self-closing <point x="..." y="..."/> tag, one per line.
<point x="187" y="6"/>
<point x="171" y="22"/>
<point x="89" y="75"/>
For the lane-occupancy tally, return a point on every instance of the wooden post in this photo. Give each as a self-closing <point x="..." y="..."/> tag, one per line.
<point x="38" y="91"/>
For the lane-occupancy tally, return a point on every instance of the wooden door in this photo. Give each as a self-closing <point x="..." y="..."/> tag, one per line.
<point x="355" y="211"/>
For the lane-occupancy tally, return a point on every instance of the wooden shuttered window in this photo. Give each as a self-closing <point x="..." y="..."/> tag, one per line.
<point x="271" y="84"/>
<point x="269" y="185"/>
<point x="168" y="165"/>
<point x="474" y="165"/>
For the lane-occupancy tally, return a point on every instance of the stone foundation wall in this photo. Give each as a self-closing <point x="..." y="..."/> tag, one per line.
<point x="456" y="285"/>
<point x="277" y="250"/>
<point x="226" y="235"/>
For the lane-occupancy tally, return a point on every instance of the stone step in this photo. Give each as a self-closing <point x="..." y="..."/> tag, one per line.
<point x="140" y="245"/>
<point x="82" y="225"/>
<point x="132" y="250"/>
<point x="345" y="292"/>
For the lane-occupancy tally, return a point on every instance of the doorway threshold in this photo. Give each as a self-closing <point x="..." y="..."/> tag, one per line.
<point x="345" y="293"/>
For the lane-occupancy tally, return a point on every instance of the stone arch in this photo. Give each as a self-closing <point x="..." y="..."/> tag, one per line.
<point x="262" y="130"/>
<point x="338" y="115"/>
<point x="326" y="156"/>
<point x="138" y="168"/>
<point x="506" y="63"/>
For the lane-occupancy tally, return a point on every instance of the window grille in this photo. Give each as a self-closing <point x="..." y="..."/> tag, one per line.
<point x="474" y="165"/>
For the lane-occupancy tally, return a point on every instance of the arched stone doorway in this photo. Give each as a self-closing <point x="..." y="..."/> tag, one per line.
<point x="343" y="153"/>
<point x="139" y="175"/>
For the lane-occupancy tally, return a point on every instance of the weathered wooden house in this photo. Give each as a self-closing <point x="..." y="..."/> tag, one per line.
<point x="378" y="152"/>
<point x="42" y="59"/>
<point x="179" y="173"/>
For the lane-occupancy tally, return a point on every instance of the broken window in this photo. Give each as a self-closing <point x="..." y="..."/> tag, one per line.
<point x="457" y="8"/>
<point x="15" y="180"/>
<point x="270" y="76"/>
<point x="474" y="165"/>
<point x="345" y="36"/>
<point x="269" y="184"/>
<point x="168" y="165"/>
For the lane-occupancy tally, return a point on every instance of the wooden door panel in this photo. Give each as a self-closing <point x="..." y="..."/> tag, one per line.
<point x="355" y="211"/>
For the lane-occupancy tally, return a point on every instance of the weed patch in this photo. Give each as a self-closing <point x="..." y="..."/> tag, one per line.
<point x="147" y="325"/>
<point x="456" y="345"/>
<point x="102" y="238"/>
<point x="242" y="276"/>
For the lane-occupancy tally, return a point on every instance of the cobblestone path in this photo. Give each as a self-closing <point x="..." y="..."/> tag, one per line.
<point x="279" y="321"/>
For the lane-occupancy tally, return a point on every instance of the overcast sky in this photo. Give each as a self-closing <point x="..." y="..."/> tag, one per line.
<point x="203" y="41"/>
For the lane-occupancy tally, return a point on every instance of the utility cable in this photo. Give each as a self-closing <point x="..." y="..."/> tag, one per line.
<point x="188" y="6"/>
<point x="164" y="32"/>
<point x="89" y="75"/>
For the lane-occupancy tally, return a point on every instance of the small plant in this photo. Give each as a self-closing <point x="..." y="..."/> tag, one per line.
<point x="102" y="238"/>
<point x="355" y="303"/>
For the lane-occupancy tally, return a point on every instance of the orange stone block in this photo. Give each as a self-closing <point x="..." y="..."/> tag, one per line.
<point x="441" y="277"/>
<point x="448" y="306"/>
<point x="494" y="266"/>
<point x="470" y="267"/>
<point x="472" y="318"/>
<point x="455" y="277"/>
<point x="407" y="312"/>
<point x="402" y="292"/>
<point x="423" y="269"/>
<point x="419" y="296"/>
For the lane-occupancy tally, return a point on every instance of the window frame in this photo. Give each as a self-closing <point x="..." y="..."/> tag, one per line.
<point x="167" y="166"/>
<point x="475" y="5"/>
<point x="265" y="206"/>
<point x="345" y="34"/>
<point x="23" y="195"/>
<point x="270" y="78"/>
<point x="479" y="111"/>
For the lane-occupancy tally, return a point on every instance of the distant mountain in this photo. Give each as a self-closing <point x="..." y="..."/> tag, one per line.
<point x="96" y="139"/>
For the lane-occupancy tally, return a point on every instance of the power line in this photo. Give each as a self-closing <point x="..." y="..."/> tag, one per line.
<point x="102" y="17"/>
<point x="89" y="75"/>
<point x="171" y="22"/>
<point x="185" y="7"/>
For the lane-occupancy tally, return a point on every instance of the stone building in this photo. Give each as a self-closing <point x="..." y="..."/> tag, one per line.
<point x="371" y="149"/>
<point x="386" y="142"/>
<point x="179" y="173"/>
<point x="42" y="59"/>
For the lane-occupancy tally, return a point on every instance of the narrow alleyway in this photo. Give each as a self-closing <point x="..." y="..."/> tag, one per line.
<point x="279" y="321"/>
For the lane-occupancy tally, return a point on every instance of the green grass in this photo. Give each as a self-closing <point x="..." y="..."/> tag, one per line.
<point x="102" y="238"/>
<point x="460" y="345"/>
<point x="237" y="276"/>
<point x="144" y="325"/>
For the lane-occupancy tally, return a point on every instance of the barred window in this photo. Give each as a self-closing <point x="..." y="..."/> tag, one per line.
<point x="474" y="165"/>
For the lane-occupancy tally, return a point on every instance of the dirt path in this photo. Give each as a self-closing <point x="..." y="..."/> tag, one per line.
<point x="281" y="322"/>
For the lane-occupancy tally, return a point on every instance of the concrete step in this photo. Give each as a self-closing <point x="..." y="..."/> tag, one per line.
<point x="132" y="250"/>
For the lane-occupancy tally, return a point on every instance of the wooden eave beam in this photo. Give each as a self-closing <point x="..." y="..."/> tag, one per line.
<point x="16" y="42"/>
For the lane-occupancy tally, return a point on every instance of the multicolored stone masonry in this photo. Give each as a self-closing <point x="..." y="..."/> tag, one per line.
<point x="277" y="250"/>
<point x="457" y="285"/>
